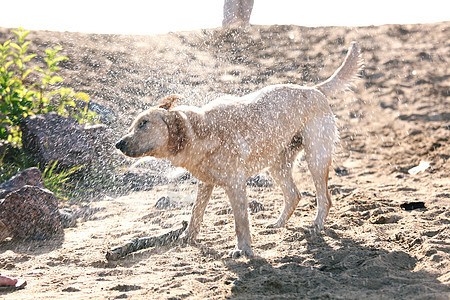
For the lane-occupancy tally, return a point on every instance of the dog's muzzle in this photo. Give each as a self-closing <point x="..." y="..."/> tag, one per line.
<point x="121" y="145"/>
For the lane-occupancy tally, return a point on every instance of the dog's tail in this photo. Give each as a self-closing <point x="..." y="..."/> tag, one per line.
<point x="345" y="76"/>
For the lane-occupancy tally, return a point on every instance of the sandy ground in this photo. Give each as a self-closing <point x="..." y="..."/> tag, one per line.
<point x="371" y="248"/>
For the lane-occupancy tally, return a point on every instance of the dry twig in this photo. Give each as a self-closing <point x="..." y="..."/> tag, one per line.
<point x="145" y="242"/>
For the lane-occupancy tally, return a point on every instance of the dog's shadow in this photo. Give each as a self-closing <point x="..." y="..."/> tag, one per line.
<point x="326" y="265"/>
<point x="339" y="269"/>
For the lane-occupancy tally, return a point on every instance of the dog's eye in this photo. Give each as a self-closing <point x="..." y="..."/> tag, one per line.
<point x="142" y="124"/>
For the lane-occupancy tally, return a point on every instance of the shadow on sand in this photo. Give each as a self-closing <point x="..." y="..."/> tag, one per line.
<point x="346" y="270"/>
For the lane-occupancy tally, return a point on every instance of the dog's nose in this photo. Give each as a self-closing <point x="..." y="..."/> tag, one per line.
<point x="121" y="145"/>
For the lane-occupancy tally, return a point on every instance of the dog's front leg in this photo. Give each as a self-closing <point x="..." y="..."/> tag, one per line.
<point x="204" y="192"/>
<point x="238" y="200"/>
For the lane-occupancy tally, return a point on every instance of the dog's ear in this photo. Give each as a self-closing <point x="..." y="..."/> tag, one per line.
<point x="177" y="132"/>
<point x="168" y="101"/>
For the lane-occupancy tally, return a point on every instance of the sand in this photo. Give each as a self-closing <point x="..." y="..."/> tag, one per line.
<point x="398" y="116"/>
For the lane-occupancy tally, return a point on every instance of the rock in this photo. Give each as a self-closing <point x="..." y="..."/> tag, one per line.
<point x="341" y="171"/>
<point x="412" y="205"/>
<point x="260" y="180"/>
<point x="4" y="231"/>
<point x="225" y="211"/>
<point x="31" y="176"/>
<point x="255" y="206"/>
<point x="51" y="137"/>
<point x="27" y="209"/>
<point x="149" y="172"/>
<point x="307" y="194"/>
<point x="71" y="289"/>
<point x="142" y="180"/>
<point x="165" y="203"/>
<point x="31" y="212"/>
<point x="67" y="217"/>
<point x="107" y="115"/>
<point x="385" y="219"/>
<point x="125" y="287"/>
<point x="153" y="164"/>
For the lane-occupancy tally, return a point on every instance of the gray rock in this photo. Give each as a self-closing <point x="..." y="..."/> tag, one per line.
<point x="152" y="164"/>
<point x="31" y="212"/>
<point x="50" y="137"/>
<point x="106" y="114"/>
<point x="255" y="206"/>
<point x="143" y="180"/>
<point x="148" y="172"/>
<point x="67" y="217"/>
<point x="260" y="180"/>
<point x="165" y="203"/>
<point x="31" y="176"/>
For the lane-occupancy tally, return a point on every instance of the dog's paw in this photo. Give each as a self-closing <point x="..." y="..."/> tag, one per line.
<point x="187" y="239"/>
<point x="236" y="253"/>
<point x="314" y="229"/>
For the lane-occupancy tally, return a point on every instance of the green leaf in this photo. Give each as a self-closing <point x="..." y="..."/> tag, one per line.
<point x="8" y="64"/>
<point x="19" y="63"/>
<point x="29" y="57"/>
<point x="25" y="74"/>
<point x="54" y="68"/>
<point x="26" y="44"/>
<point x="25" y="33"/>
<point x="56" y="79"/>
<point x="82" y="96"/>
<point x="71" y="103"/>
<point x="53" y="93"/>
<point x="15" y="46"/>
<point x="60" y="58"/>
<point x="39" y="70"/>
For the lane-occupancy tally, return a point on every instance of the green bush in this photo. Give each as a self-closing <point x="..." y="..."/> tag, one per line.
<point x="57" y="182"/>
<point x="20" y="98"/>
<point x="12" y="161"/>
<point x="28" y="91"/>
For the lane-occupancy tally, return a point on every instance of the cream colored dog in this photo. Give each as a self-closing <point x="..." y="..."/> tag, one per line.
<point x="227" y="140"/>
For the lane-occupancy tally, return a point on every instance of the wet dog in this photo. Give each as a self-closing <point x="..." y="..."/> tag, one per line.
<point x="229" y="139"/>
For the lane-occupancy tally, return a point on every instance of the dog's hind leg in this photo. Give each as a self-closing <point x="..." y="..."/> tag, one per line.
<point x="281" y="171"/>
<point x="198" y="210"/>
<point x="319" y="137"/>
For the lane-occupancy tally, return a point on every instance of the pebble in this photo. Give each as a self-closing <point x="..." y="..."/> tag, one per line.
<point x="255" y="206"/>
<point x="259" y="180"/>
<point x="165" y="203"/>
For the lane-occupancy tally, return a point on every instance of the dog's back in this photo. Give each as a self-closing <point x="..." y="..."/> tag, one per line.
<point x="257" y="127"/>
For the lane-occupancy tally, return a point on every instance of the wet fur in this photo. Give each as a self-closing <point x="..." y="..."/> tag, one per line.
<point x="177" y="133"/>
<point x="227" y="140"/>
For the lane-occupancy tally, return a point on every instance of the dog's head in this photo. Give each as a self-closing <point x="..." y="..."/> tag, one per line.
<point x="158" y="132"/>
